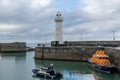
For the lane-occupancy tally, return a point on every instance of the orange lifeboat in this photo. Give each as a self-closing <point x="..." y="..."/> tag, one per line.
<point x="101" y="58"/>
<point x="100" y="62"/>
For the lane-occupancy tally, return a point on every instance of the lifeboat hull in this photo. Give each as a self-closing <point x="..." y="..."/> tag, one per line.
<point x="106" y="69"/>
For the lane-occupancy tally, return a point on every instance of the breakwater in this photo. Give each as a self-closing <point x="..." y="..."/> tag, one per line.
<point x="64" y="53"/>
<point x="74" y="53"/>
<point x="93" y="43"/>
<point x="114" y="55"/>
<point x="14" y="47"/>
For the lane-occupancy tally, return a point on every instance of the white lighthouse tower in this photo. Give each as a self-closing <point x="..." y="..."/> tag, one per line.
<point x="58" y="30"/>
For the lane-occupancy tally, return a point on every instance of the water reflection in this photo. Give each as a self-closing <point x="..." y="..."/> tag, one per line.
<point x="104" y="76"/>
<point x="70" y="70"/>
<point x="76" y="70"/>
<point x="15" y="55"/>
<point x="18" y="66"/>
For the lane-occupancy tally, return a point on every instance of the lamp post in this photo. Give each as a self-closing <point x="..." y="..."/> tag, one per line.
<point x="113" y="35"/>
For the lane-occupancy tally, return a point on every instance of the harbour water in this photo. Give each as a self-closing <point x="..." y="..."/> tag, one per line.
<point x="18" y="66"/>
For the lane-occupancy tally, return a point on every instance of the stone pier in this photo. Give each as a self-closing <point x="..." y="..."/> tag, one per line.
<point x="114" y="55"/>
<point x="74" y="54"/>
<point x="64" y="53"/>
<point x="14" y="47"/>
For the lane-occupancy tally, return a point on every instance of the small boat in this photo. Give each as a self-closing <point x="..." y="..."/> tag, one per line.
<point x="44" y="72"/>
<point x="100" y="62"/>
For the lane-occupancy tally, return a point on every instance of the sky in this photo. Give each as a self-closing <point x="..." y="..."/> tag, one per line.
<point x="32" y="21"/>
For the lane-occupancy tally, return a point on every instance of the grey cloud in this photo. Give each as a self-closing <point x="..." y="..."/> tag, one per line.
<point x="37" y="24"/>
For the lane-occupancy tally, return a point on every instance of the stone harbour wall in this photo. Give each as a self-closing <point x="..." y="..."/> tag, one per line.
<point x="75" y="54"/>
<point x="64" y="53"/>
<point x="114" y="55"/>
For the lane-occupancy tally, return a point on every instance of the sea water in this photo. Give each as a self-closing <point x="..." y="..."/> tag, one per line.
<point x="18" y="66"/>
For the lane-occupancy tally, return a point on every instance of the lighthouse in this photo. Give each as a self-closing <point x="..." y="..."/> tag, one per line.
<point x="58" y="28"/>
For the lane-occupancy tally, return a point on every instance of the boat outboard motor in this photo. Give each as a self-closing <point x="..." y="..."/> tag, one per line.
<point x="51" y="70"/>
<point x="58" y="75"/>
